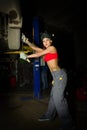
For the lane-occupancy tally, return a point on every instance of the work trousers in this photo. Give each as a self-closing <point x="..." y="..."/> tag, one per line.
<point x="58" y="103"/>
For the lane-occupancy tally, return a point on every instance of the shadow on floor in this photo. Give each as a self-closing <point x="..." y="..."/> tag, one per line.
<point x="20" y="111"/>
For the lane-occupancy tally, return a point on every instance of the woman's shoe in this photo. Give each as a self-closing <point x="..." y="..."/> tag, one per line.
<point x="43" y="118"/>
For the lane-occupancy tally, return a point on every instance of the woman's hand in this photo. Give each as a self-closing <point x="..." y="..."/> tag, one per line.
<point x="25" y="40"/>
<point x="32" y="45"/>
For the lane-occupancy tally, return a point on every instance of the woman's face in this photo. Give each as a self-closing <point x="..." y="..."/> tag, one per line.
<point x="47" y="42"/>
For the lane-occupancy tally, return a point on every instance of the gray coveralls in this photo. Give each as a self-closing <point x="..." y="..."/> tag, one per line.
<point x="58" y="103"/>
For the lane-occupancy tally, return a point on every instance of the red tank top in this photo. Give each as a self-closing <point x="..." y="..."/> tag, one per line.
<point x="50" y="56"/>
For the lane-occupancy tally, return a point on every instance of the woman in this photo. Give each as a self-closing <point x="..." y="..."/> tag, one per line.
<point x="57" y="103"/>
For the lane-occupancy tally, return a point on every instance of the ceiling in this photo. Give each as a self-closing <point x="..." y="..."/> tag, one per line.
<point x="62" y="15"/>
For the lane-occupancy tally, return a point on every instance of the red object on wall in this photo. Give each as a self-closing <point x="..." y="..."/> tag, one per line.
<point x="81" y="94"/>
<point x="13" y="82"/>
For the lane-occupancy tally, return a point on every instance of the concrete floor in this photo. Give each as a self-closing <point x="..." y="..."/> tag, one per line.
<point x="20" y="111"/>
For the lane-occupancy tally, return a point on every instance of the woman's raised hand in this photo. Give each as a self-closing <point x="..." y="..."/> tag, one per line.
<point x="25" y="39"/>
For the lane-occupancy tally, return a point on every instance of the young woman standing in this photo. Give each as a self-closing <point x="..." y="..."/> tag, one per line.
<point x="57" y="103"/>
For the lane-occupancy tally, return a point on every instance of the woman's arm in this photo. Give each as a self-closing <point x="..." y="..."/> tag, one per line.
<point x="33" y="46"/>
<point x="36" y="55"/>
<point x="41" y="53"/>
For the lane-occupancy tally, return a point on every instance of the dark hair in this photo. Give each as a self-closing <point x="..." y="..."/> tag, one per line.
<point x="45" y="35"/>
